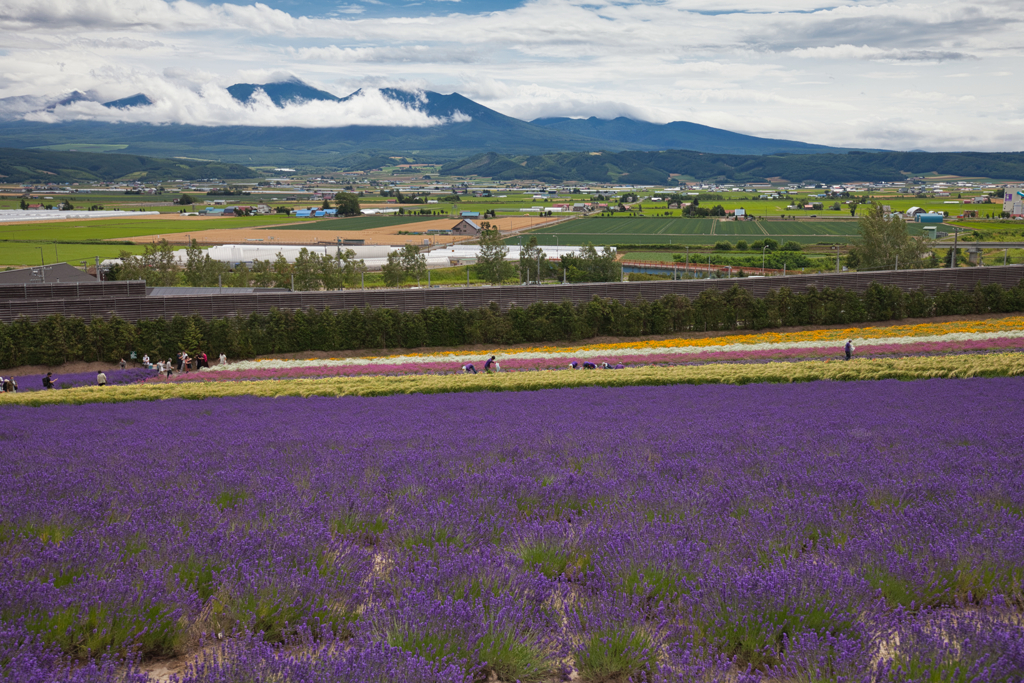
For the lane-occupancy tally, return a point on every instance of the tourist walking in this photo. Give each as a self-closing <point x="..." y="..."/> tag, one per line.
<point x="124" y="364"/>
<point x="101" y="378"/>
<point x="49" y="380"/>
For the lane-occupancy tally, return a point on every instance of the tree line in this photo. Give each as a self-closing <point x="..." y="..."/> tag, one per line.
<point x="56" y="339"/>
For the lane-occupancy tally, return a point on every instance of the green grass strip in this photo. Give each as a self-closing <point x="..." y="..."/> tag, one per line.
<point x="985" y="365"/>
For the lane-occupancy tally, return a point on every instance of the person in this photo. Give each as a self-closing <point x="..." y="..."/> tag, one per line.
<point x="101" y="378"/>
<point x="587" y="365"/>
<point x="203" y="362"/>
<point x="160" y="367"/>
<point x="170" y="368"/>
<point x="849" y="348"/>
<point x="468" y="368"/>
<point x="10" y="385"/>
<point x="487" y="365"/>
<point x="223" y="360"/>
<point x="145" y="361"/>
<point x="3" y="385"/>
<point x="574" y="365"/>
<point x="49" y="380"/>
<point x="124" y="364"/>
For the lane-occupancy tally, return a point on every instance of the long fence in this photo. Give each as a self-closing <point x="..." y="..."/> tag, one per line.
<point x="134" y="308"/>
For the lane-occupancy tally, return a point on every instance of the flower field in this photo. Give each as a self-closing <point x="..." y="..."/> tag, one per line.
<point x="931" y="339"/>
<point x="823" y="531"/>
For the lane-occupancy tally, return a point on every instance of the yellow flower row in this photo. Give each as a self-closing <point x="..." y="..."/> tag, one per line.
<point x="992" y="365"/>
<point x="873" y="332"/>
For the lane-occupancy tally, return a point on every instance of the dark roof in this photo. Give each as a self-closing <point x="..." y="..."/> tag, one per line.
<point x="52" y="272"/>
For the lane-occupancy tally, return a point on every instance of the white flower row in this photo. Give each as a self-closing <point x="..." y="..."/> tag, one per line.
<point x="609" y="353"/>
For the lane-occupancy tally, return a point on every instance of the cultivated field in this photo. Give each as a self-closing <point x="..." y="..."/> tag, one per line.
<point x="325" y="232"/>
<point x="683" y="231"/>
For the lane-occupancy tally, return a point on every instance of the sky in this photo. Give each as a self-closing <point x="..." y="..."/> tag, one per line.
<point x="940" y="75"/>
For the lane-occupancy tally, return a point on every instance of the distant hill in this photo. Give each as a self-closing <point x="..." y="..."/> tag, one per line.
<point x="281" y="92"/>
<point x="137" y="100"/>
<point x="626" y="133"/>
<point x="656" y="168"/>
<point x="486" y="129"/>
<point x="39" y="166"/>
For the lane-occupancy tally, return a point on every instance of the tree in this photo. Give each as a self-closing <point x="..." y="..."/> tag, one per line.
<point x="591" y="266"/>
<point x="262" y="273"/>
<point x="394" y="274"/>
<point x="413" y="262"/>
<point x="884" y="240"/>
<point x="306" y="271"/>
<point x="23" y="204"/>
<point x="185" y="199"/>
<point x="200" y="269"/>
<point x="157" y="265"/>
<point x="532" y="261"/>
<point x="351" y="268"/>
<point x="241" y="277"/>
<point x="326" y="205"/>
<point x="491" y="265"/>
<point x="348" y="204"/>
<point x="282" y="272"/>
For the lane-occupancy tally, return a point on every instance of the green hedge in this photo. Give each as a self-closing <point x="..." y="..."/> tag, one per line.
<point x="55" y="340"/>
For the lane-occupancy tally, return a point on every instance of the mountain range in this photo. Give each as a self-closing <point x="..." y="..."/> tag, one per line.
<point x="466" y="127"/>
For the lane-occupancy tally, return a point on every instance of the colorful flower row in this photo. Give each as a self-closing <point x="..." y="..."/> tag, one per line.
<point x="537" y="359"/>
<point x="307" y="369"/>
<point x="918" y="367"/>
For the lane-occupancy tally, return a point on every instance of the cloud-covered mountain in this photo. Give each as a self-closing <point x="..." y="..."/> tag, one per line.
<point x="272" y="120"/>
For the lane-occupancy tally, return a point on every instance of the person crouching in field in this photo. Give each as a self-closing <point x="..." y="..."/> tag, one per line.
<point x="468" y="368"/>
<point x="587" y="365"/>
<point x="489" y="365"/>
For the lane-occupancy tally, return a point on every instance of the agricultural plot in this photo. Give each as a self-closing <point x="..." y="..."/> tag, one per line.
<point x="28" y="253"/>
<point x="447" y="539"/>
<point x="626" y="231"/>
<point x="738" y="228"/>
<point x="815" y="228"/>
<point x="356" y="223"/>
<point x="126" y="228"/>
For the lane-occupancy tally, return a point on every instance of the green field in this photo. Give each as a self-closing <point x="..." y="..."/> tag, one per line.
<point x="788" y="228"/>
<point x="358" y="222"/>
<point x="82" y="147"/>
<point x="684" y="231"/>
<point x="125" y="228"/>
<point x="744" y="228"/>
<point x="28" y="254"/>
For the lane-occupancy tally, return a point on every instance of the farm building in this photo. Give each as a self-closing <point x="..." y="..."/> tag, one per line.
<point x="928" y="217"/>
<point x="470" y="214"/>
<point x="913" y="211"/>
<point x="1013" y="201"/>
<point x="466" y="227"/>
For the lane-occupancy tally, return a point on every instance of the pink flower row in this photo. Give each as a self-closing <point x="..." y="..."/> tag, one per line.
<point x="512" y="364"/>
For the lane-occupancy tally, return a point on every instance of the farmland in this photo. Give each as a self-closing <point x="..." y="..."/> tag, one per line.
<point x="669" y="230"/>
<point x="451" y="537"/>
<point x="399" y="518"/>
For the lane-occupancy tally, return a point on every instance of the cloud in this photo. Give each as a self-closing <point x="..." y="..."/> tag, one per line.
<point x="214" y="106"/>
<point x="878" y="54"/>
<point x="420" y="54"/>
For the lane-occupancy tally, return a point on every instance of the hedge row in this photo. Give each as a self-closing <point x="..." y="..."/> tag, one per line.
<point x="55" y="340"/>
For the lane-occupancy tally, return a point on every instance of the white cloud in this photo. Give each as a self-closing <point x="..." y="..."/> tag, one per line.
<point x="824" y="72"/>
<point x="214" y="106"/>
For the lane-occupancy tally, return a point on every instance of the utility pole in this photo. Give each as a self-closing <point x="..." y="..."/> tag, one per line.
<point x="952" y="257"/>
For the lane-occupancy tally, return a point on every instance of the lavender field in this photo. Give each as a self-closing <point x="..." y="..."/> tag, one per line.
<point x="855" y="531"/>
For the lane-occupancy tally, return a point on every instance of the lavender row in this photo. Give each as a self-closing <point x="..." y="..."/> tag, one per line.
<point x="84" y="379"/>
<point x="670" y="533"/>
